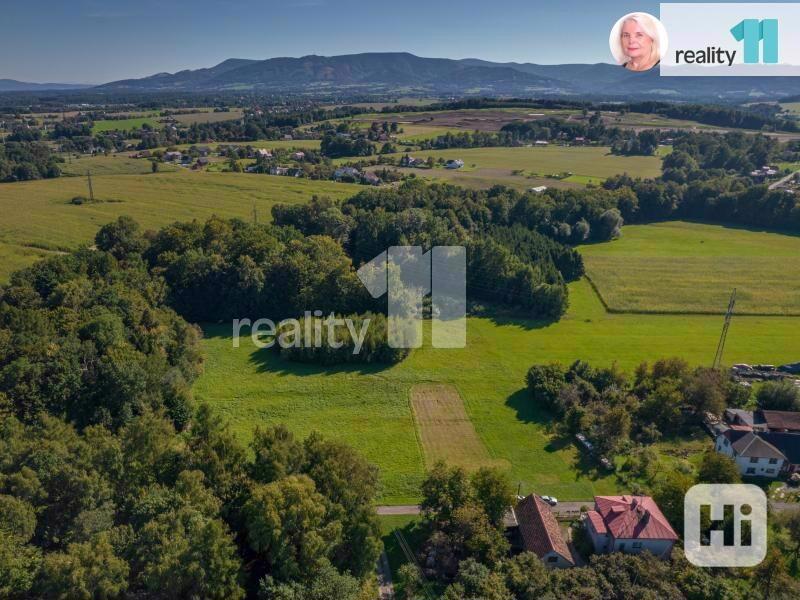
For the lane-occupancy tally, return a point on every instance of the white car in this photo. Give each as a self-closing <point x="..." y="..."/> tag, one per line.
<point x="550" y="500"/>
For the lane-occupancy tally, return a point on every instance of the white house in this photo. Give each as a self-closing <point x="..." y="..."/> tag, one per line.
<point x="630" y="524"/>
<point x="454" y="164"/>
<point x="754" y="456"/>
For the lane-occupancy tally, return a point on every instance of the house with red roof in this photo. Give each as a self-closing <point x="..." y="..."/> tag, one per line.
<point x="630" y="524"/>
<point x="536" y="530"/>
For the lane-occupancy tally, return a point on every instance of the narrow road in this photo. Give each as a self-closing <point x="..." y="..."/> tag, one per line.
<point x="400" y="509"/>
<point x="782" y="181"/>
<point x="562" y="509"/>
<point x="385" y="587"/>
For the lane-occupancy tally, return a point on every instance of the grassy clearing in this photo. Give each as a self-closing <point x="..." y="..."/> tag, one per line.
<point x="692" y="267"/>
<point x="445" y="431"/>
<point x="368" y="406"/>
<point x="39" y="213"/>
<point x="209" y="116"/>
<point x="123" y="124"/>
<point x="114" y="164"/>
<point x="485" y="167"/>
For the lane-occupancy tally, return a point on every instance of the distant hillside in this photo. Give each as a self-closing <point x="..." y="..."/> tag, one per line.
<point x="12" y="85"/>
<point x="400" y="71"/>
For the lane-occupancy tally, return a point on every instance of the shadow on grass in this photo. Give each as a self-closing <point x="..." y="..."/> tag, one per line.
<point x="528" y="411"/>
<point x="507" y="316"/>
<point x="269" y="360"/>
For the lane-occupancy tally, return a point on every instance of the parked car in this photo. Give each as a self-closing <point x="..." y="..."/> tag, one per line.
<point x="550" y="500"/>
<point x="584" y="442"/>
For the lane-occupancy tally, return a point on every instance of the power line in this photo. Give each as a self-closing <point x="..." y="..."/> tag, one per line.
<point x="724" y="337"/>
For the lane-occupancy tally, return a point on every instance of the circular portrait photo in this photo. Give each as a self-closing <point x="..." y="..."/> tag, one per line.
<point x="638" y="41"/>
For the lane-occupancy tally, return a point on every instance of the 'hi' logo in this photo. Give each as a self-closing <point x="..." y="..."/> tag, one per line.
<point x="740" y="503"/>
<point x="408" y="276"/>
<point x="753" y="31"/>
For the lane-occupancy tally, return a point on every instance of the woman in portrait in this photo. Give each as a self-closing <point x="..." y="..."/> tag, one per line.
<point x="637" y="46"/>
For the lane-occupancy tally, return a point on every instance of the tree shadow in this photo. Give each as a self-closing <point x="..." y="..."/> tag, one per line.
<point x="269" y="360"/>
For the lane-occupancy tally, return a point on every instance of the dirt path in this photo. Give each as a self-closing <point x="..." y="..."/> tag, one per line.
<point x="385" y="587"/>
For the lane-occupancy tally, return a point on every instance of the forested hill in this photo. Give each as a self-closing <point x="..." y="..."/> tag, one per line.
<point x="394" y="70"/>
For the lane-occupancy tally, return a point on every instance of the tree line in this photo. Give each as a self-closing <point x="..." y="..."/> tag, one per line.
<point x="23" y="161"/>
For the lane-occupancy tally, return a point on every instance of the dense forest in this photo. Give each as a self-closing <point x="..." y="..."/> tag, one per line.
<point x="113" y="484"/>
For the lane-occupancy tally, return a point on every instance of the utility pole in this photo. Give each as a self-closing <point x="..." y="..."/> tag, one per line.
<point x="723" y="338"/>
<point x="91" y="191"/>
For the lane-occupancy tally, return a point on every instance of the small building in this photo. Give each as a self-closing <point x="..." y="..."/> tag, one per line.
<point x="410" y="161"/>
<point x="278" y="170"/>
<point x="204" y="151"/>
<point x="630" y="524"/>
<point x="779" y="421"/>
<point x="172" y="156"/>
<point x="263" y="153"/>
<point x="534" y="528"/>
<point x="347" y="173"/>
<point x="454" y="164"/>
<point x="298" y="155"/>
<point x="371" y="179"/>
<point x="539" y="189"/>
<point x="541" y="143"/>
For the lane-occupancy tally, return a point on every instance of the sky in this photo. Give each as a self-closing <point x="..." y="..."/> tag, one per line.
<point x="96" y="41"/>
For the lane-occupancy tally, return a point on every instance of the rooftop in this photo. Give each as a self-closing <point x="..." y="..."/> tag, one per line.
<point x="539" y="528"/>
<point x="633" y="517"/>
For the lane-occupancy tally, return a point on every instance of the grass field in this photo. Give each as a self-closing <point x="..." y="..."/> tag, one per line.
<point x="445" y="431"/>
<point x="37" y="215"/>
<point x="692" y="267"/>
<point x="484" y="167"/>
<point x="115" y="164"/>
<point x="209" y="116"/>
<point x="369" y="406"/>
<point x="124" y="124"/>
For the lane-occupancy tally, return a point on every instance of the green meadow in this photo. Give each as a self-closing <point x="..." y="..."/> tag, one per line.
<point x="692" y="267"/>
<point x="113" y="164"/>
<point x="532" y="166"/>
<point x="124" y="124"/>
<point x="369" y="406"/>
<point x="38" y="215"/>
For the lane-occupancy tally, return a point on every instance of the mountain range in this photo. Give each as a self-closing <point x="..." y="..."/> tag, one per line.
<point x="12" y="85"/>
<point x="401" y="72"/>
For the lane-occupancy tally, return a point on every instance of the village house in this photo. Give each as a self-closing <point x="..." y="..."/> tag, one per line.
<point x="203" y="150"/>
<point x="541" y="143"/>
<point x="532" y="527"/>
<point x="279" y="170"/>
<point x="538" y="189"/>
<point x="410" y="161"/>
<point x="630" y="524"/>
<point x="371" y="179"/>
<point x="263" y="153"/>
<point x="347" y="173"/>
<point x="298" y="155"/>
<point x="761" y="453"/>
<point x="172" y="156"/>
<point x="780" y="421"/>
<point x="454" y="164"/>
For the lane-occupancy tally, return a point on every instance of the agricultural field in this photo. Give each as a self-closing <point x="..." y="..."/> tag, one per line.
<point x="370" y="406"/>
<point x="683" y="267"/>
<point x="49" y="222"/>
<point x="114" y="164"/>
<point x="532" y="166"/>
<point x="209" y="116"/>
<point x="124" y="124"/>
